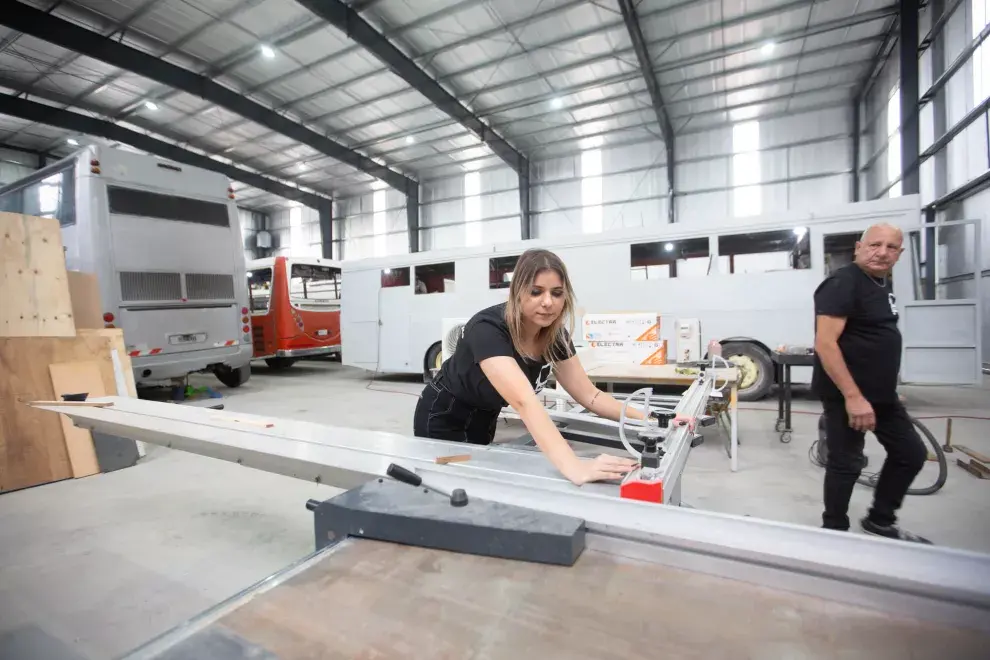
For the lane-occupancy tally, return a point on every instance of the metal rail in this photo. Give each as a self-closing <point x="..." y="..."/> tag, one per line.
<point x="915" y="580"/>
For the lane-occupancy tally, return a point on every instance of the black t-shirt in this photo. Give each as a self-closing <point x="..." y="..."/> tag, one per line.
<point x="487" y="335"/>
<point x="870" y="342"/>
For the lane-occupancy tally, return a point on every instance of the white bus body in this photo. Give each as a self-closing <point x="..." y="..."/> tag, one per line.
<point x="752" y="302"/>
<point x="164" y="241"/>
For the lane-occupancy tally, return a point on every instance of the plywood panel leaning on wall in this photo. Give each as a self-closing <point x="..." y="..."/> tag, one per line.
<point x="34" y="287"/>
<point x="78" y="378"/>
<point x="84" y="290"/>
<point x="32" y="443"/>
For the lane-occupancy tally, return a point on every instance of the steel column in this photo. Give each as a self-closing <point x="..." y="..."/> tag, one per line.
<point x="412" y="217"/>
<point x="51" y="116"/>
<point x="525" y="206"/>
<point x="937" y="8"/>
<point x="653" y="87"/>
<point x="44" y="26"/>
<point x="909" y="92"/>
<point x="856" y="146"/>
<point x="326" y="229"/>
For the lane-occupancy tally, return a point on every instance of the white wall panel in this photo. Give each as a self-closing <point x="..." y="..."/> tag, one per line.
<point x="15" y="165"/>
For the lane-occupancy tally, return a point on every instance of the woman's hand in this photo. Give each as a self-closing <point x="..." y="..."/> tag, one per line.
<point x="602" y="468"/>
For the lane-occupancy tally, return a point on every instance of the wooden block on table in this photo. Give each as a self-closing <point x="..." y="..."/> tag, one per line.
<point x="34" y="286"/>
<point x="73" y="378"/>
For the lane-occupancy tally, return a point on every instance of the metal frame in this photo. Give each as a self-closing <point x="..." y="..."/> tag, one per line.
<point x="42" y="25"/>
<point x="52" y="116"/>
<point x="913" y="579"/>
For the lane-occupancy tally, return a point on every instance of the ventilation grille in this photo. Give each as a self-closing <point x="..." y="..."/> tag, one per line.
<point x="201" y="286"/>
<point x="259" y="339"/>
<point x="150" y="286"/>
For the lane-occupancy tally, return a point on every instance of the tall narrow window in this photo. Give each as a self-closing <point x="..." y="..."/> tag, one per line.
<point x="379" y="223"/>
<point x="297" y="238"/>
<point x="981" y="58"/>
<point x="472" y="208"/>
<point x="747" y="193"/>
<point x="894" y="142"/>
<point x="591" y="191"/>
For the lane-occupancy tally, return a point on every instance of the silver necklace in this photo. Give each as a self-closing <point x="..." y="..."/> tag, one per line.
<point x="882" y="283"/>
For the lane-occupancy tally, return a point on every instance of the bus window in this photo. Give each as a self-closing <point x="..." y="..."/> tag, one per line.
<point x="128" y="201"/>
<point x="392" y="277"/>
<point x="665" y="259"/>
<point x="260" y="289"/>
<point x="51" y="197"/>
<point x="765" y="251"/>
<point x="839" y="251"/>
<point x="435" y="278"/>
<point x="314" y="285"/>
<point x="500" y="272"/>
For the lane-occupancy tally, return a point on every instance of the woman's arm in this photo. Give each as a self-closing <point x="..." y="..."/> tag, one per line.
<point x="573" y="378"/>
<point x="510" y="382"/>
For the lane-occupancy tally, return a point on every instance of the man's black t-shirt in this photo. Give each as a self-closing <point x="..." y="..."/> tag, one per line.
<point x="870" y="342"/>
<point x="487" y="335"/>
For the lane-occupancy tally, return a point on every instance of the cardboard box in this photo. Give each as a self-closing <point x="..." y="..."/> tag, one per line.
<point x="649" y="353"/>
<point x="635" y="327"/>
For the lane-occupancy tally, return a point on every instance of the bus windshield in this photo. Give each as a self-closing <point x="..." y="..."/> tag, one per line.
<point x="312" y="285"/>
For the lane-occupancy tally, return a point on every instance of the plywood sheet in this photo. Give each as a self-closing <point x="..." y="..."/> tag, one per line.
<point x="378" y="600"/>
<point x="34" y="286"/>
<point x="75" y="378"/>
<point x="32" y="443"/>
<point x="87" y="309"/>
<point x="116" y="338"/>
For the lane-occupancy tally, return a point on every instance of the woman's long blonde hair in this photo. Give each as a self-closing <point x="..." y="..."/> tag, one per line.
<point x="551" y="341"/>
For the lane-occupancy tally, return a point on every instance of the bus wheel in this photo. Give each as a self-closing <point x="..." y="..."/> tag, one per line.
<point x="755" y="369"/>
<point x="280" y="362"/>
<point x="434" y="358"/>
<point x="233" y="377"/>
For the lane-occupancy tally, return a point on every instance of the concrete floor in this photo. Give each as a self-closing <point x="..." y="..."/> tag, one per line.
<point x="91" y="568"/>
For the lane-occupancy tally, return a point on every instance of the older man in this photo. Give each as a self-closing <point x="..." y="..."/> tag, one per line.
<point x="857" y="360"/>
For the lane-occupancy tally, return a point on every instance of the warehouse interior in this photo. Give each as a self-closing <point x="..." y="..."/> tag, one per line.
<point x="376" y="129"/>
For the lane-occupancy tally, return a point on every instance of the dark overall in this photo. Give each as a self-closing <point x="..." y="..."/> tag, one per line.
<point x="439" y="415"/>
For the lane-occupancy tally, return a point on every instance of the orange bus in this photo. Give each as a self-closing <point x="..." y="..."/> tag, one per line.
<point x="295" y="308"/>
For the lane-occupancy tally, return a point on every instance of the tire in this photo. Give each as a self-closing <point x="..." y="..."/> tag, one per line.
<point x="277" y="363"/>
<point x="233" y="377"/>
<point x="434" y="356"/>
<point x="755" y="369"/>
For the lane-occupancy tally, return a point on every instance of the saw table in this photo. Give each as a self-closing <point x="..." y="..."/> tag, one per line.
<point x="528" y="563"/>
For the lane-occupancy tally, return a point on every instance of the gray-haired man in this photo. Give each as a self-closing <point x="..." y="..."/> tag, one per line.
<point x="857" y="360"/>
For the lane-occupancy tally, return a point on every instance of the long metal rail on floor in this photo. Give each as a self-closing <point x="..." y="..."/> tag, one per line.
<point x="943" y="587"/>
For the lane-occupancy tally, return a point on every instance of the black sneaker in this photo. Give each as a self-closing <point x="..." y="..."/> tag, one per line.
<point x="891" y="532"/>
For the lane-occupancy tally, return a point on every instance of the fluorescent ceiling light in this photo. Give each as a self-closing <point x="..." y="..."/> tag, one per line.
<point x="768" y="47"/>
<point x="268" y="52"/>
<point x="410" y="139"/>
<point x="669" y="247"/>
<point x="73" y="141"/>
<point x="151" y="105"/>
<point x="556" y="104"/>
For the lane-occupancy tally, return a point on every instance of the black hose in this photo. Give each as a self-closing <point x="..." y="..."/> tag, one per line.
<point x="818" y="458"/>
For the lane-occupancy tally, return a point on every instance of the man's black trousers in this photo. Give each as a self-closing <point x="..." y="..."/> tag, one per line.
<point x="906" y="455"/>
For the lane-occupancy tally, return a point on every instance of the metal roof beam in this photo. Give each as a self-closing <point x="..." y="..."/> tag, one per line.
<point x="656" y="99"/>
<point x="44" y="26"/>
<point x="71" y="121"/>
<point x="350" y="23"/>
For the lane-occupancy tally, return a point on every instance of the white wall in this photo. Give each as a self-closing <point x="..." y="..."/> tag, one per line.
<point x="251" y="223"/>
<point x="15" y="165"/>
<point x="354" y="225"/>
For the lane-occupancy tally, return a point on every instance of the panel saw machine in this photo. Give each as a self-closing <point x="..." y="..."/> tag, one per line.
<point x="493" y="554"/>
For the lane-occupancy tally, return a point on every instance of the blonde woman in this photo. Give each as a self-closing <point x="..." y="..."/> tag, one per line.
<point x="505" y="357"/>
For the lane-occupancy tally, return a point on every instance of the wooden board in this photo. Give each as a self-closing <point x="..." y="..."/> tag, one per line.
<point x="84" y="291"/>
<point x="665" y="374"/>
<point x="116" y="339"/>
<point x="32" y="444"/>
<point x="34" y="286"/>
<point x="367" y="599"/>
<point x="74" y="378"/>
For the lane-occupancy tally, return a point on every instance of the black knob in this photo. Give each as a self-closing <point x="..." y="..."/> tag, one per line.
<point x="312" y="504"/>
<point x="458" y="497"/>
<point x="663" y="418"/>
<point x="400" y="473"/>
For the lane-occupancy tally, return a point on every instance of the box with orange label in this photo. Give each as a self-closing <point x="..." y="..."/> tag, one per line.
<point x="635" y="327"/>
<point x="629" y="352"/>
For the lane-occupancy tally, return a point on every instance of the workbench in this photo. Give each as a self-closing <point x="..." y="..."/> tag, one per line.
<point x="610" y="373"/>
<point x="370" y="599"/>
<point x="783" y="361"/>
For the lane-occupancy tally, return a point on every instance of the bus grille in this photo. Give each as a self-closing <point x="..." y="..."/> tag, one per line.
<point x="200" y="286"/>
<point x="259" y="339"/>
<point x="135" y="286"/>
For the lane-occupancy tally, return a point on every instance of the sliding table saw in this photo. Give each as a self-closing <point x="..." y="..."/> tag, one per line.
<point x="528" y="565"/>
